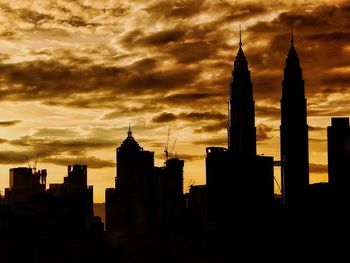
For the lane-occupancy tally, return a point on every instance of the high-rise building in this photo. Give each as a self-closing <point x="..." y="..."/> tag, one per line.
<point x="24" y="183"/>
<point x="133" y="196"/>
<point x="339" y="155"/>
<point x="239" y="183"/>
<point x="241" y="120"/>
<point x="294" y="132"/>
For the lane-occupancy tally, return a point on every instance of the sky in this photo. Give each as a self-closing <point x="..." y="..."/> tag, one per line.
<point x="75" y="73"/>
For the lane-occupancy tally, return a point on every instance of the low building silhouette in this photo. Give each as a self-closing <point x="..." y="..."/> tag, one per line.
<point x="54" y="225"/>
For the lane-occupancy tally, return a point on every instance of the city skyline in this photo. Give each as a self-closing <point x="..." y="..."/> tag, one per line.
<point x="175" y="72"/>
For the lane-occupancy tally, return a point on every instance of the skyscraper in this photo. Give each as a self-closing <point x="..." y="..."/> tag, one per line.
<point x="241" y="122"/>
<point x="134" y="186"/>
<point x="339" y="156"/>
<point x="239" y="183"/>
<point x="294" y="131"/>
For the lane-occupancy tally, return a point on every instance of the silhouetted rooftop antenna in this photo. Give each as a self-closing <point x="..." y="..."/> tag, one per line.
<point x="291" y="34"/>
<point x="240" y="35"/>
<point x="129" y="131"/>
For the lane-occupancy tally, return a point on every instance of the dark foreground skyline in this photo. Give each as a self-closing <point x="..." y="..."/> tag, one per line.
<point x="91" y="67"/>
<point x="150" y="219"/>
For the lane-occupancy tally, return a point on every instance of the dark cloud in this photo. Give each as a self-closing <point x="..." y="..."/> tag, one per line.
<point x="51" y="132"/>
<point x="190" y="158"/>
<point x="176" y="9"/>
<point x="2" y="140"/>
<point x="50" y="146"/>
<point x="242" y="11"/>
<point x="269" y="112"/>
<point x="60" y="84"/>
<point x="263" y="132"/>
<point x="318" y="168"/>
<point x="164" y="117"/>
<point x="189" y="116"/>
<point x="124" y="110"/>
<point x="9" y="123"/>
<point x="156" y="39"/>
<point x="197" y="116"/>
<point x="189" y="98"/>
<point x="90" y="161"/>
<point x="316" y="128"/>
<point x="20" y="157"/>
<point x="13" y="157"/>
<point x="317" y="140"/>
<point x="192" y="52"/>
<point x="221" y="141"/>
<point x="212" y="128"/>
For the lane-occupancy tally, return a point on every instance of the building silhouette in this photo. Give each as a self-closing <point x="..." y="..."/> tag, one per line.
<point x="53" y="225"/>
<point x="234" y="218"/>
<point x="241" y="121"/>
<point x="145" y="212"/>
<point x="339" y="157"/>
<point x="294" y="131"/>
<point x="239" y="183"/>
<point x="24" y="183"/>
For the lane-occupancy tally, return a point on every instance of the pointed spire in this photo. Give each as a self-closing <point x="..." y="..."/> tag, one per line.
<point x="240" y="55"/>
<point x="240" y="36"/>
<point x="129" y="132"/>
<point x="292" y="54"/>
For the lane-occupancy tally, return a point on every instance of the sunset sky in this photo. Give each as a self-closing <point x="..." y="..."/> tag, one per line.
<point x="75" y="73"/>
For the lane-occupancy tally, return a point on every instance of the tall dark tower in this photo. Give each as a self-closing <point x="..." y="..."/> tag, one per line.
<point x="241" y="123"/>
<point x="294" y="131"/>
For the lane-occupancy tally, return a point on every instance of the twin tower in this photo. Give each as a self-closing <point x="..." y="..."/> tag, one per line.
<point x="240" y="183"/>
<point x="293" y="129"/>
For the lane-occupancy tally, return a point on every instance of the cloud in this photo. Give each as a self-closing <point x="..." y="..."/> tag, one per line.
<point x="189" y="116"/>
<point x="90" y="161"/>
<point x="20" y="157"/>
<point x="318" y="168"/>
<point x="222" y="141"/>
<point x="263" y="132"/>
<point x="56" y="146"/>
<point x="136" y="38"/>
<point x="54" y="132"/>
<point x="9" y="123"/>
<point x="164" y="117"/>
<point x="316" y="128"/>
<point x="176" y="9"/>
<point x="190" y="157"/>
<point x="14" y="157"/>
<point x="187" y="98"/>
<point x="212" y="128"/>
<point x="56" y="83"/>
<point x="270" y="112"/>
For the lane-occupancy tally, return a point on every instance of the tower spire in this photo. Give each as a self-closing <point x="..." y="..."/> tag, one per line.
<point x="291" y="34"/>
<point x="240" y="36"/>
<point x="129" y="131"/>
<point x="241" y="119"/>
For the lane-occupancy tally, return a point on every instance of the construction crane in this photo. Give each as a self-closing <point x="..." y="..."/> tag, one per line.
<point x="172" y="148"/>
<point x="166" y="150"/>
<point x="36" y="162"/>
